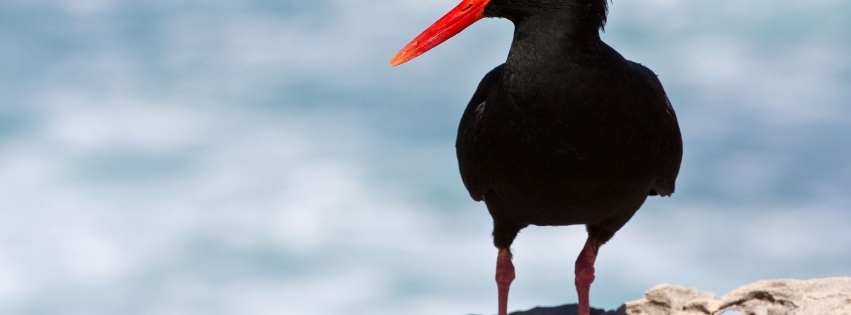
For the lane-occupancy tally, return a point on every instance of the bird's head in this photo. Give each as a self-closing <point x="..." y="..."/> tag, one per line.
<point x="469" y="11"/>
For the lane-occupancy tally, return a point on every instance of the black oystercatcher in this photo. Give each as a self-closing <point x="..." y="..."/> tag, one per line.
<point x="565" y="132"/>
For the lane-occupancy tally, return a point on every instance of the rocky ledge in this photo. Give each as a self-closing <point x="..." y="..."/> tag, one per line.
<point x="827" y="296"/>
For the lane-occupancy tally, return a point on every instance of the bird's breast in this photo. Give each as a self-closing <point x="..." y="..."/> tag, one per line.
<point x="565" y="155"/>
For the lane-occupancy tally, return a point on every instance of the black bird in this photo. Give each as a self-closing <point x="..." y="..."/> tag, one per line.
<point x="565" y="132"/>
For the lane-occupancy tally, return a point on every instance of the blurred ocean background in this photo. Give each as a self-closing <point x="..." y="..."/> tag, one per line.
<point x="262" y="157"/>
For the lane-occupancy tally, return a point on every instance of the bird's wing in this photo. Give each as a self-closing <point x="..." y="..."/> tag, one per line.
<point x="473" y="163"/>
<point x="671" y="148"/>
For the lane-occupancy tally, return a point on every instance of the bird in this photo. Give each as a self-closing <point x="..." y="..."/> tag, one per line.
<point x="566" y="132"/>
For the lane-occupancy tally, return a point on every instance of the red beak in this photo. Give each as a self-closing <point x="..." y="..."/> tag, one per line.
<point x="463" y="15"/>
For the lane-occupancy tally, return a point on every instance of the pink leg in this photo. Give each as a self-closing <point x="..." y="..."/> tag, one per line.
<point x="504" y="276"/>
<point x="585" y="274"/>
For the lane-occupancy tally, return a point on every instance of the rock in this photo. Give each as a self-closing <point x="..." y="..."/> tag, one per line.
<point x="569" y="309"/>
<point x="665" y="298"/>
<point x="774" y="297"/>
<point x="827" y="296"/>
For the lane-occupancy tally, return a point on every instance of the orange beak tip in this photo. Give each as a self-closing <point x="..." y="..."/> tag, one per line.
<point x="395" y="61"/>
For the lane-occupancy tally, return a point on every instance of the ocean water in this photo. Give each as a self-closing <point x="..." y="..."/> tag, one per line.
<point x="262" y="157"/>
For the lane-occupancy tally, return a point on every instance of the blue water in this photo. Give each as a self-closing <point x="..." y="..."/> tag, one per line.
<point x="262" y="157"/>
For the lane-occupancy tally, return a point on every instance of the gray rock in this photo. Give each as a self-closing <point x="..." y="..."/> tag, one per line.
<point x="775" y="297"/>
<point x="569" y="309"/>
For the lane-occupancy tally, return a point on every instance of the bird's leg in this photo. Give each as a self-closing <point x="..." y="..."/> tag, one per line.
<point x="585" y="274"/>
<point x="504" y="276"/>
